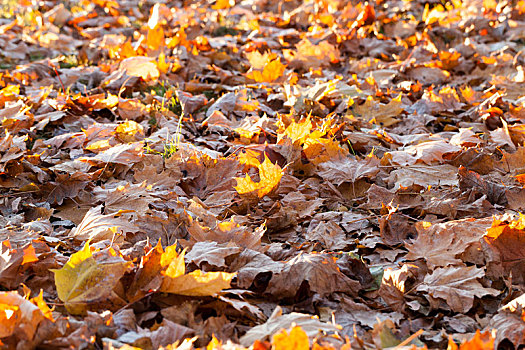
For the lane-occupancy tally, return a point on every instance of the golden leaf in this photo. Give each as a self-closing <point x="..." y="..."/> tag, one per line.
<point x="270" y="175"/>
<point x="197" y="283"/>
<point x="272" y="70"/>
<point x="83" y="280"/>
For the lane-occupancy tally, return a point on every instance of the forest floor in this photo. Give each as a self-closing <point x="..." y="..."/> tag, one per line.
<point x="262" y="173"/>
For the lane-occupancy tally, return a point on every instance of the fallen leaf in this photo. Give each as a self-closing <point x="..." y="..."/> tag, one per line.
<point x="83" y="281"/>
<point x="506" y="240"/>
<point x="348" y="170"/>
<point x="20" y="317"/>
<point x="424" y="176"/>
<point x="97" y="227"/>
<point x="197" y="283"/>
<point x="457" y="286"/>
<point x="321" y="273"/>
<point x="269" y="177"/>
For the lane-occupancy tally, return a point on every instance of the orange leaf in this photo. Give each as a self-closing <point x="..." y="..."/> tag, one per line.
<point x="155" y="38"/>
<point x="480" y="341"/>
<point x="223" y="4"/>
<point x="29" y="255"/>
<point x="296" y="339"/>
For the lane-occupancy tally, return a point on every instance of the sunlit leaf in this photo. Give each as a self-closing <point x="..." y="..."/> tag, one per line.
<point x="84" y="281"/>
<point x="269" y="177"/>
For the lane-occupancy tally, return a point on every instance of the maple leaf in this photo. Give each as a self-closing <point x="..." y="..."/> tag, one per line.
<point x="321" y="273"/>
<point x="269" y="177"/>
<point x="441" y="244"/>
<point x="165" y="271"/>
<point x="148" y="276"/>
<point x="96" y="227"/>
<point x="457" y="285"/>
<point x="424" y="176"/>
<point x="143" y="67"/>
<point x="85" y="281"/>
<point x="125" y="154"/>
<point x="350" y="170"/>
<point x="21" y="317"/>
<point x="506" y="240"/>
<point x="384" y="115"/>
<point x="195" y="283"/>
<point x="272" y="70"/>
<point x="297" y="132"/>
<point x="227" y="232"/>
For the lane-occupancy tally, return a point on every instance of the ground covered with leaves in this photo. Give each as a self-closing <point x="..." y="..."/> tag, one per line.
<point x="262" y="173"/>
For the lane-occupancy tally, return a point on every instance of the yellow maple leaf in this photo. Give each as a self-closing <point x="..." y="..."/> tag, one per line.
<point x="270" y="175"/>
<point x="272" y="70"/>
<point x="298" y="132"/>
<point x="197" y="283"/>
<point x="84" y="281"/>
<point x="165" y="271"/>
<point x="129" y="131"/>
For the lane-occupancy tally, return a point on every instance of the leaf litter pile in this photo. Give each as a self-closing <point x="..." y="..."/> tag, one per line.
<point x="266" y="174"/>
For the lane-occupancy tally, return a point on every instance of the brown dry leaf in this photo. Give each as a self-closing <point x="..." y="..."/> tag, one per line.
<point x="349" y="170"/>
<point x="472" y="181"/>
<point x="97" y="227"/>
<point x="131" y="109"/>
<point x="457" y="285"/>
<point x="506" y="240"/>
<point x="510" y="326"/>
<point x="125" y="154"/>
<point x="465" y="138"/>
<point x="330" y="234"/>
<point x="321" y="273"/>
<point x="424" y="176"/>
<point x="393" y="286"/>
<point x="441" y="244"/>
<point x="211" y="253"/>
<point x="501" y="137"/>
<point x="227" y="232"/>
